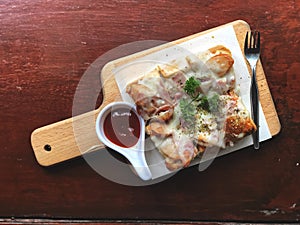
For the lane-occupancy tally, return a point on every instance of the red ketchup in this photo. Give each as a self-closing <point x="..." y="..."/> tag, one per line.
<point x="122" y="127"/>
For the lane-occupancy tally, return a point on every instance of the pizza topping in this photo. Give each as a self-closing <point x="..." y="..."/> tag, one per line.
<point x="187" y="110"/>
<point x="220" y="64"/>
<point x="158" y="128"/>
<point x="179" y="79"/>
<point x="152" y="101"/>
<point x="191" y="87"/>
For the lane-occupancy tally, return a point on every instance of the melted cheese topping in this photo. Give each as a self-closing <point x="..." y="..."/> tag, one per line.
<point x="180" y="142"/>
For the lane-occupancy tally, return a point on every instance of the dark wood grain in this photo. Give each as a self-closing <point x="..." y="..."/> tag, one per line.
<point x="45" y="47"/>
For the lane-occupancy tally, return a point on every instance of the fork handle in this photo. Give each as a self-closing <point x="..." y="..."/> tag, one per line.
<point x="255" y="108"/>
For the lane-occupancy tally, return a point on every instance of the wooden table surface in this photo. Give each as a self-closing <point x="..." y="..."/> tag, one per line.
<point x="45" y="48"/>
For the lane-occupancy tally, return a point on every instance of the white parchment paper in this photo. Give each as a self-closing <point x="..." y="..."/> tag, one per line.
<point x="143" y="65"/>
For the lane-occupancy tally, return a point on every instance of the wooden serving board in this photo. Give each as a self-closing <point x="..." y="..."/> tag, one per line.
<point x="57" y="142"/>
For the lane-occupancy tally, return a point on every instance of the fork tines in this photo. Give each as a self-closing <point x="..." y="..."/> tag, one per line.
<point x="252" y="40"/>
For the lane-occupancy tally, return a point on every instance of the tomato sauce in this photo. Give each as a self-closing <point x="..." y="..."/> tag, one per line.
<point x="122" y="127"/>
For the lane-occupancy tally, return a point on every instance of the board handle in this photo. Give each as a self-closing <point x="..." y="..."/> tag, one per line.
<point x="66" y="139"/>
<point x="75" y="136"/>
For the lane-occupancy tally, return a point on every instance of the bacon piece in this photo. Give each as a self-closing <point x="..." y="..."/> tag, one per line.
<point x="157" y="128"/>
<point x="179" y="79"/>
<point x="151" y="104"/>
<point x="178" y="152"/>
<point x="164" y="112"/>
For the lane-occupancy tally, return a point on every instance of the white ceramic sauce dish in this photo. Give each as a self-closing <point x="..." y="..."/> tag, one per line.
<point x="119" y="127"/>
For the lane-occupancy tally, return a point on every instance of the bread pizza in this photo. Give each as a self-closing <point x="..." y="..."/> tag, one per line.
<point x="190" y="109"/>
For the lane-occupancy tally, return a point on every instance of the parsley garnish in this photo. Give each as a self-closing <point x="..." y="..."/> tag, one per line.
<point x="188" y="111"/>
<point x="210" y="104"/>
<point x="188" y="108"/>
<point x="191" y="86"/>
<point x="203" y="103"/>
<point x="214" y="103"/>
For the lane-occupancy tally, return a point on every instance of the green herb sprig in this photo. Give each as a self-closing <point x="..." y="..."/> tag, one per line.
<point x="188" y="111"/>
<point x="190" y="87"/>
<point x="210" y="104"/>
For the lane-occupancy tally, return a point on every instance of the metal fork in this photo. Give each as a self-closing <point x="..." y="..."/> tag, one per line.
<point x="252" y="52"/>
